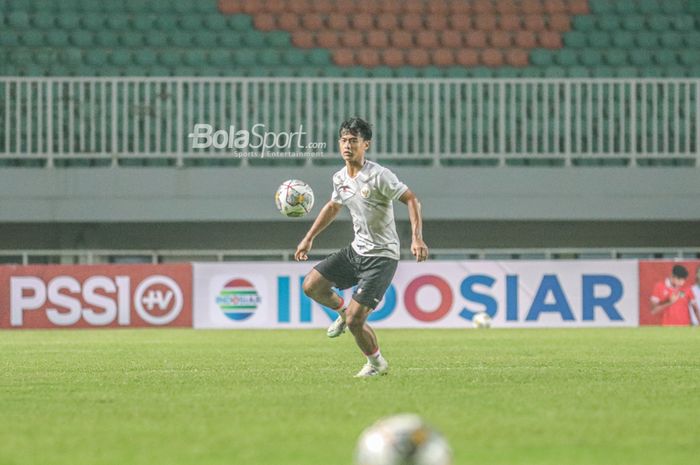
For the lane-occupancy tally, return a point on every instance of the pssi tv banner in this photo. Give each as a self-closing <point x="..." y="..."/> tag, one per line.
<point x="438" y="294"/>
<point x="89" y="296"/>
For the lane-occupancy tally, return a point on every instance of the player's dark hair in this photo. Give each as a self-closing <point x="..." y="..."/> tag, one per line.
<point x="357" y="127"/>
<point x="679" y="271"/>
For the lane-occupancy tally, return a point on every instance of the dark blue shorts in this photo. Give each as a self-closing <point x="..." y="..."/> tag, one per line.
<point x="372" y="275"/>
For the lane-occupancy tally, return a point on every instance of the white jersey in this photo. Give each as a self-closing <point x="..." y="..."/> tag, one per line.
<point x="369" y="197"/>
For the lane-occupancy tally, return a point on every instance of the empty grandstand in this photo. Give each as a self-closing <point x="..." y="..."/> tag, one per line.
<point x="545" y="127"/>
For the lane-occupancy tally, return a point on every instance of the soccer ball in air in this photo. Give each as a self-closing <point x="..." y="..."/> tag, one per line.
<point x="294" y="198"/>
<point x="403" y="439"/>
<point x="481" y="320"/>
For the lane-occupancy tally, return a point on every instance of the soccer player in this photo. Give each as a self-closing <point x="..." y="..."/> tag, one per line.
<point x="671" y="297"/>
<point x="370" y="261"/>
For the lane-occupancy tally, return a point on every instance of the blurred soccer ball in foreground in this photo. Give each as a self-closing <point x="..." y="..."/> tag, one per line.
<point x="402" y="440"/>
<point x="294" y="198"/>
<point x="481" y="320"/>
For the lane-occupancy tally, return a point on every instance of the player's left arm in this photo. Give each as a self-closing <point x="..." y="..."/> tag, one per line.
<point x="418" y="247"/>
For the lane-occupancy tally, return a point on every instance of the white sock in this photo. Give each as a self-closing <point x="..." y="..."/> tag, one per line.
<point x="376" y="358"/>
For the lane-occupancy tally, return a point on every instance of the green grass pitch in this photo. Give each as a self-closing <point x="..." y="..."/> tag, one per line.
<point x="128" y="397"/>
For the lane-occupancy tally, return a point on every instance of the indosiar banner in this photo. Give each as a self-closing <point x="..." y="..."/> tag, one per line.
<point x="434" y="294"/>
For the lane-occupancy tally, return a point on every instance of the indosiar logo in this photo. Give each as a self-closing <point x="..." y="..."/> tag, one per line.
<point x="238" y="299"/>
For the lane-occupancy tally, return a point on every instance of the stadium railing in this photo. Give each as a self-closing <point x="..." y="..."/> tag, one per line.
<point x="451" y="121"/>
<point x="87" y="256"/>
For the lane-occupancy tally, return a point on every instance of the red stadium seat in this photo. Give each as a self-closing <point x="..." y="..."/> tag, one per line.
<point x="467" y="57"/>
<point x="577" y="7"/>
<point x="559" y="23"/>
<point x="483" y="7"/>
<point x="387" y="22"/>
<point x="265" y="22"/>
<point x="510" y="23"/>
<point x="352" y="39"/>
<point x="393" y="57"/>
<point x="377" y="39"/>
<point x="393" y="7"/>
<point x="475" y="39"/>
<point x="344" y="57"/>
<point x="414" y="6"/>
<point x="303" y="39"/>
<point x="401" y="39"/>
<point x="363" y="22"/>
<point x="451" y="39"/>
<point x="439" y="7"/>
<point x="274" y="6"/>
<point x="506" y="7"/>
<point x="412" y="22"/>
<point x="300" y="7"/>
<point x="485" y="22"/>
<point x="443" y="57"/>
<point x="460" y="22"/>
<point x="427" y="39"/>
<point x="516" y="57"/>
<point x="312" y="22"/>
<point x="492" y="57"/>
<point x="550" y="39"/>
<point x="534" y="23"/>
<point x="327" y="39"/>
<point x="555" y="7"/>
<point x="525" y="39"/>
<point x="500" y="39"/>
<point x="418" y="57"/>
<point x="288" y="21"/>
<point x="436" y="22"/>
<point x="460" y="8"/>
<point x="532" y="7"/>
<point x="368" y="57"/>
<point x="338" y="22"/>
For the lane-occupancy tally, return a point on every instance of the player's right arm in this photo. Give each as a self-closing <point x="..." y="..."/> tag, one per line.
<point x="325" y="217"/>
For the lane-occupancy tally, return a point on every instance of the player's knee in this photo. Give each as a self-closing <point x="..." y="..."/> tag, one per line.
<point x="308" y="286"/>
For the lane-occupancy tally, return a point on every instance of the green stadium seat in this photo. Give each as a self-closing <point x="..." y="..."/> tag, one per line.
<point x="295" y="57"/>
<point x="144" y="22"/>
<point x="215" y="22"/>
<point x="169" y="58"/>
<point x="615" y="57"/>
<point x="9" y="38"/>
<point x="640" y="58"/>
<point x="219" y="57"/>
<point x="191" y="23"/>
<point x="659" y="23"/>
<point x="194" y="58"/>
<point x="671" y="40"/>
<point x="205" y="39"/>
<point x="156" y="39"/>
<point x="278" y="39"/>
<point x="270" y="57"/>
<point x="649" y="6"/>
<point x="542" y="57"/>
<point x="107" y="39"/>
<point x="674" y="71"/>
<point x="71" y="56"/>
<point x="578" y="72"/>
<point x="665" y="57"/>
<point x="92" y="21"/>
<point x="136" y="6"/>
<point x="319" y="56"/>
<point x="608" y="23"/>
<point x="120" y="57"/>
<point x="145" y="57"/>
<point x="456" y="72"/>
<point x="683" y="23"/>
<point x="566" y="57"/>
<point x="633" y="23"/>
<point x="689" y="57"/>
<point x="42" y="6"/>
<point x="157" y="71"/>
<point x="167" y="23"/>
<point x="131" y="39"/>
<point x="600" y="40"/>
<point x="81" y="38"/>
<point x="184" y="39"/>
<point x="591" y="57"/>
<point x="431" y="72"/>
<point x="254" y="39"/>
<point x="46" y="57"/>
<point x="624" y="39"/>
<point x="43" y="20"/>
<point x="584" y="23"/>
<point x="244" y="57"/>
<point x="575" y="39"/>
<point x="647" y="40"/>
<point x="625" y="7"/>
<point x="118" y="22"/>
<point x="626" y="72"/>
<point x="18" y="20"/>
<point x="674" y="7"/>
<point x="554" y="72"/>
<point x="32" y="38"/>
<point x="95" y="57"/>
<point x="692" y="39"/>
<point x="240" y="23"/>
<point x="602" y="6"/>
<point x="229" y="39"/>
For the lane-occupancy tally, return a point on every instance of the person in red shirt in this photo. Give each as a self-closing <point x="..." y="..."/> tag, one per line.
<point x="671" y="297"/>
